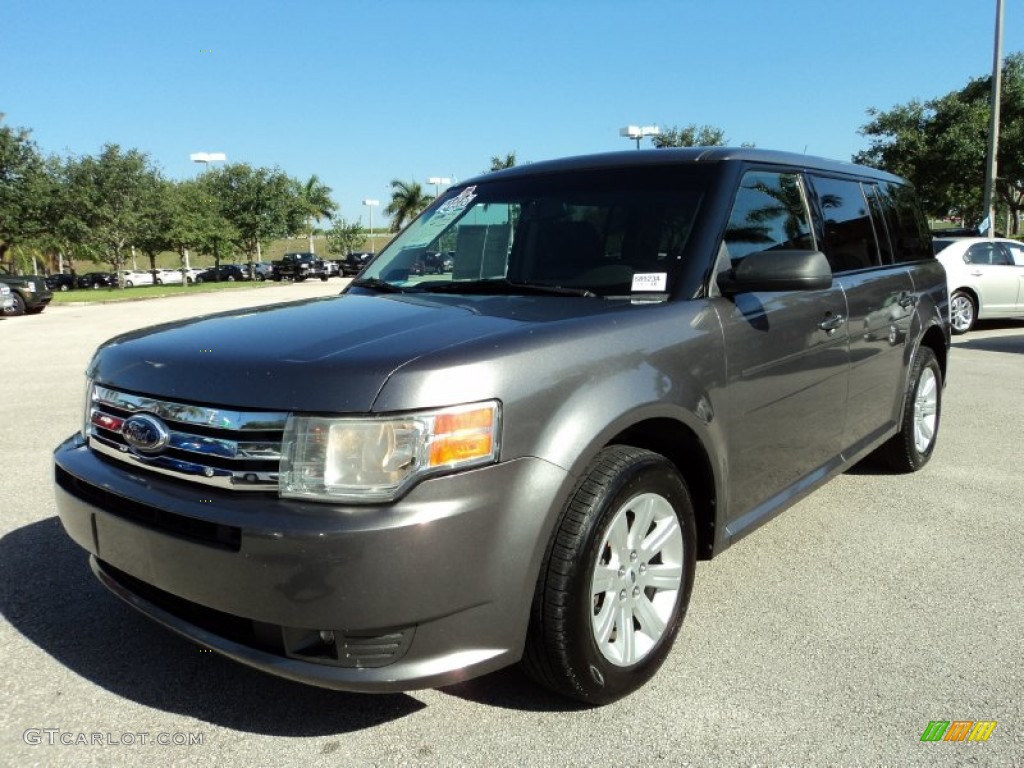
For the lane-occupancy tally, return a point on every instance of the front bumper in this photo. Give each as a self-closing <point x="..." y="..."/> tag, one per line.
<point x="428" y="591"/>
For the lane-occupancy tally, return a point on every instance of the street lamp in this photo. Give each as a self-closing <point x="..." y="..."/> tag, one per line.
<point x="637" y="132"/>
<point x="437" y="181"/>
<point x="207" y="157"/>
<point x="370" y="204"/>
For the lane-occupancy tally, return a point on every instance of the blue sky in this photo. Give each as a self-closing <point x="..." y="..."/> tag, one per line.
<point x="363" y="92"/>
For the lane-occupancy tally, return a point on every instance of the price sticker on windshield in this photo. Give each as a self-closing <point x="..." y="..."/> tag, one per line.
<point x="650" y="281"/>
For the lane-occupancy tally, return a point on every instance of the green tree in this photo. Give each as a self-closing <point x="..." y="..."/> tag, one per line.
<point x="196" y="222"/>
<point x="24" y="189"/>
<point x="941" y="145"/>
<point x="499" y="163"/>
<point x="110" y="197"/>
<point x="692" y="135"/>
<point x="260" y="203"/>
<point x="344" y="237"/>
<point x="407" y="201"/>
<point x="317" y="204"/>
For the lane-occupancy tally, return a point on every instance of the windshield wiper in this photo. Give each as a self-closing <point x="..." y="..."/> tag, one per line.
<point x="376" y="284"/>
<point x="502" y="287"/>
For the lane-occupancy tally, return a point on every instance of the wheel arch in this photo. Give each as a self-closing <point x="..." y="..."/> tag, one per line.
<point x="681" y="446"/>
<point x="935" y="340"/>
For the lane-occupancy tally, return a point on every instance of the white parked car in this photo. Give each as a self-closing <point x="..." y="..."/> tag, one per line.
<point x="985" y="277"/>
<point x="173" y="276"/>
<point x="133" y="277"/>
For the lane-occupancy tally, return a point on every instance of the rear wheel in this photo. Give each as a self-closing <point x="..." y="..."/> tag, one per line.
<point x="616" y="579"/>
<point x="962" y="312"/>
<point x="911" y="448"/>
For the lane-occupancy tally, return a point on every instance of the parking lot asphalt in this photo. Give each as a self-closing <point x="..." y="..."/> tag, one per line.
<point x="831" y="636"/>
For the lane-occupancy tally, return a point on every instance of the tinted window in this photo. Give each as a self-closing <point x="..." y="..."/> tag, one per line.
<point x="849" y="235"/>
<point x="770" y="213"/>
<point x="883" y="230"/>
<point x="911" y="239"/>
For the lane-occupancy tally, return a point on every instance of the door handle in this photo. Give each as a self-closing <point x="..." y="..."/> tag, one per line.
<point x="832" y="323"/>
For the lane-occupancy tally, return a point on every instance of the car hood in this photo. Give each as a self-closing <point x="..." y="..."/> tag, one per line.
<point x="331" y="354"/>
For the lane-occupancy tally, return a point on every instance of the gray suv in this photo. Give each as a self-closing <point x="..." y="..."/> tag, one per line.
<point x="635" y="361"/>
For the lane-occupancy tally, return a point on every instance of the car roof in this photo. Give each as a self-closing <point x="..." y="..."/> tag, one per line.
<point x="683" y="156"/>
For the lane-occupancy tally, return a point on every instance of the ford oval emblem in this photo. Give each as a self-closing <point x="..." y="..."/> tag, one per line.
<point x="145" y="433"/>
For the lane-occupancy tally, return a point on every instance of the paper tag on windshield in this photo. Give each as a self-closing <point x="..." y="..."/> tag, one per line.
<point x="649" y="281"/>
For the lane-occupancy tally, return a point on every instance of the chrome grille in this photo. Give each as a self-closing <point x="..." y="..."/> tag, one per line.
<point x="237" y="450"/>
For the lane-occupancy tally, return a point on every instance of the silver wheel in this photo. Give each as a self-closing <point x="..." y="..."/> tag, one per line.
<point x="926" y="410"/>
<point x="961" y="312"/>
<point x="636" y="579"/>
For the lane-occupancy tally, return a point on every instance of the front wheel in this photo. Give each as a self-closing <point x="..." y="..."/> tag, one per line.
<point x="911" y="448"/>
<point x="616" y="579"/>
<point x="962" y="312"/>
<point x="17" y="309"/>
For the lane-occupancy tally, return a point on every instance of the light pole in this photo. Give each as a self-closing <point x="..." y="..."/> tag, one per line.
<point x="637" y="132"/>
<point x="437" y="181"/>
<point x="988" y="227"/>
<point x="205" y="158"/>
<point x="370" y="204"/>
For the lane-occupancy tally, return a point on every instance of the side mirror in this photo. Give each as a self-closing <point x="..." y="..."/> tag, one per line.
<point x="778" y="271"/>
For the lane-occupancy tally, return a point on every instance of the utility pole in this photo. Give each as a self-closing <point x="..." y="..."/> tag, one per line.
<point x="993" y="126"/>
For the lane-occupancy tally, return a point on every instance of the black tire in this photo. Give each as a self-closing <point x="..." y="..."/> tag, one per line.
<point x="18" y="309"/>
<point x="65" y="287"/>
<point x="323" y="278"/>
<point x="563" y="649"/>
<point x="963" y="312"/>
<point x="911" y="448"/>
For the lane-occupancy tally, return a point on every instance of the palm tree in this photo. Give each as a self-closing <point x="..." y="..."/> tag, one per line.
<point x="407" y="200"/>
<point x="499" y="163"/>
<point x="316" y="203"/>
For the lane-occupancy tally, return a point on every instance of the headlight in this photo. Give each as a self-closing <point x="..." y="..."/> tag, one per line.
<point x="375" y="459"/>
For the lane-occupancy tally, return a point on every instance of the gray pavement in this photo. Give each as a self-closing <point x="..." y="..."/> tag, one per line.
<point x="832" y="636"/>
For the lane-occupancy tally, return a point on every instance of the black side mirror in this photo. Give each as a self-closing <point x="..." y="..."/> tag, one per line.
<point x="778" y="271"/>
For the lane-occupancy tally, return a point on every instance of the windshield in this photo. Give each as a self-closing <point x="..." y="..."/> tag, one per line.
<point x="611" y="232"/>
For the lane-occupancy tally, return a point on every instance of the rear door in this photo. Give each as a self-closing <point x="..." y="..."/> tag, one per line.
<point x="879" y="298"/>
<point x="1016" y="254"/>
